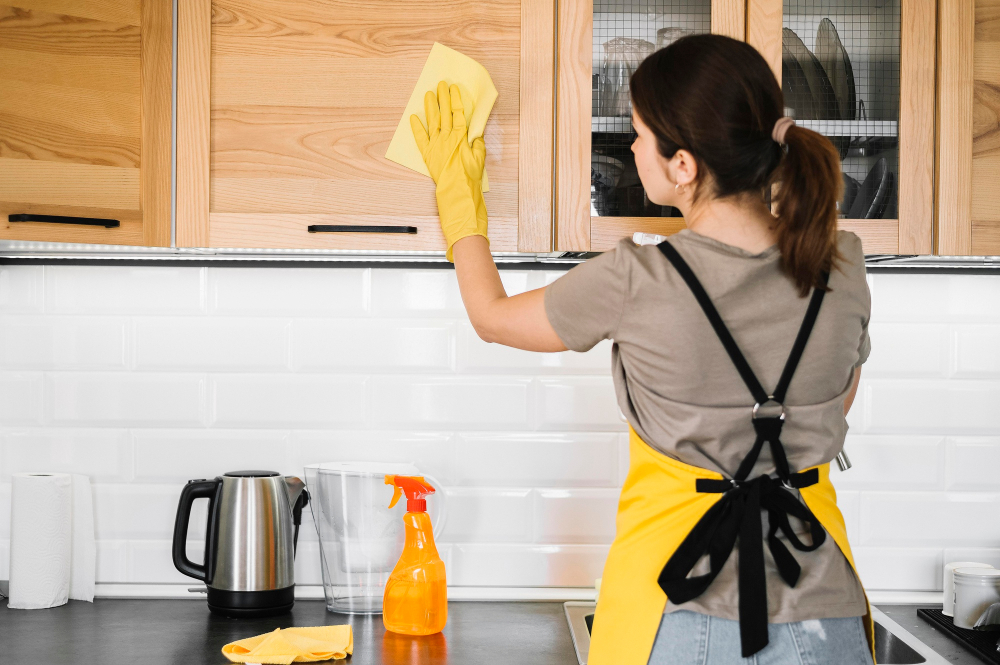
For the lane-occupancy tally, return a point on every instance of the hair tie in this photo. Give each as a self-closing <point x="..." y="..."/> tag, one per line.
<point x="781" y="128"/>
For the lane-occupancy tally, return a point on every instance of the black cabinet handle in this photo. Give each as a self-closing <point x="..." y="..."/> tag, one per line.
<point x="63" y="219"/>
<point x="347" y="228"/>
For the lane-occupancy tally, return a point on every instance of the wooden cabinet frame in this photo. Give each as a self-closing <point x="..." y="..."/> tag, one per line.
<point x="760" y="23"/>
<point x="196" y="221"/>
<point x="72" y="177"/>
<point x="968" y="158"/>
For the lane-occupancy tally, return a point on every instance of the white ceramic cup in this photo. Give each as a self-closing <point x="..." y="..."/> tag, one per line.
<point x="975" y="590"/>
<point x="949" y="583"/>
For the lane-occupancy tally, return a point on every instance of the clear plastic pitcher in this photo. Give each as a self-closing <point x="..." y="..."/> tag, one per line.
<point x="360" y="538"/>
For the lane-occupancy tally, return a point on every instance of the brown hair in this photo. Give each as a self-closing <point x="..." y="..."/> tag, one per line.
<point x="717" y="98"/>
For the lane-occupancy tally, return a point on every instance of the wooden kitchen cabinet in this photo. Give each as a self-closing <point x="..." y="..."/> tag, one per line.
<point x="968" y="205"/>
<point x="888" y="126"/>
<point x="286" y="108"/>
<point x="85" y="104"/>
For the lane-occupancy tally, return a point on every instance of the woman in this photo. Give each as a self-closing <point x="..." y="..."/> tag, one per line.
<point x="737" y="352"/>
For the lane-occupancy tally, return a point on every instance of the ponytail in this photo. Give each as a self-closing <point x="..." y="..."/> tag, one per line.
<point x="809" y="187"/>
<point x="718" y="99"/>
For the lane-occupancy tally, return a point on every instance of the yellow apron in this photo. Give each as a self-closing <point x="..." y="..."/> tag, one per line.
<point x="670" y="514"/>
<point x="658" y="508"/>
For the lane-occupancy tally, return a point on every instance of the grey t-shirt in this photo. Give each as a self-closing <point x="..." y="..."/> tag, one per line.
<point x="682" y="394"/>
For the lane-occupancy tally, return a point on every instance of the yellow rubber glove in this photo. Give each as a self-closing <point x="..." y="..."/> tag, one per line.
<point x="455" y="166"/>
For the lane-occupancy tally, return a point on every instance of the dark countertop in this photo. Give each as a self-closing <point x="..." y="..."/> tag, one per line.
<point x="183" y="632"/>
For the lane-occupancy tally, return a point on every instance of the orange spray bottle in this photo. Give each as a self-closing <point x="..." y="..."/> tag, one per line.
<point x="416" y="595"/>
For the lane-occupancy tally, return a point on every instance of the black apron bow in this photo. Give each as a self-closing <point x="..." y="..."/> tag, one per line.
<point x="738" y="513"/>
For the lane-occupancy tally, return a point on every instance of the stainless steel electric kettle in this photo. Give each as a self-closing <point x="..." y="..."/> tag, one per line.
<point x="253" y="530"/>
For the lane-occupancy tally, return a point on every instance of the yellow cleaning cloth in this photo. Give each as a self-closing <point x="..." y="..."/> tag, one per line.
<point x="293" y="645"/>
<point x="478" y="94"/>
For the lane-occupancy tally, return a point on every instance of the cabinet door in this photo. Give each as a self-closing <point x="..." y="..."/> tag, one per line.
<point x="599" y="197"/>
<point x="968" y="202"/>
<point x="861" y="72"/>
<point x="286" y="108"/>
<point x="85" y="97"/>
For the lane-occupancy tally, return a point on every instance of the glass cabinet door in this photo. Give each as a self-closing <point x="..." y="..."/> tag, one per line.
<point x="861" y="72"/>
<point x="599" y="196"/>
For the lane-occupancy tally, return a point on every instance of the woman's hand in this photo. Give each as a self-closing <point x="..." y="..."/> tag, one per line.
<point x="455" y="166"/>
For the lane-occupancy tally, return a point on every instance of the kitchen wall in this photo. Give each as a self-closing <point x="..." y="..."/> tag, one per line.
<point x="145" y="377"/>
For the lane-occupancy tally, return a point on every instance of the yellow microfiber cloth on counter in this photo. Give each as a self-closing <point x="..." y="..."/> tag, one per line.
<point x="293" y="645"/>
<point x="478" y="94"/>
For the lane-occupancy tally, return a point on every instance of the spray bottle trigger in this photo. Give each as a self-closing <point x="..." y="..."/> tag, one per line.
<point x="397" y="491"/>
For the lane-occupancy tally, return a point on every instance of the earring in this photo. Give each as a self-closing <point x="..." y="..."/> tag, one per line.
<point x="677" y="189"/>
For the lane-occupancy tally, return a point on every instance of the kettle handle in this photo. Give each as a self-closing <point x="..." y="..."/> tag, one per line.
<point x="195" y="489"/>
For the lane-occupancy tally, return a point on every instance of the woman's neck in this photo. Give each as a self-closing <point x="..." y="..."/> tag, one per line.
<point x="740" y="221"/>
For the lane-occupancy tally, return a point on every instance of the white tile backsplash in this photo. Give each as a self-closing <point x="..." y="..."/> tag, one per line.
<point x="278" y="400"/>
<point x="212" y="344"/>
<point x="103" y="454"/>
<point x="63" y="342"/>
<point x="120" y="399"/>
<point x="146" y="377"/>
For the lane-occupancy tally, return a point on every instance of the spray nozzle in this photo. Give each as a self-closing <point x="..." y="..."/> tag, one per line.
<point x="415" y="487"/>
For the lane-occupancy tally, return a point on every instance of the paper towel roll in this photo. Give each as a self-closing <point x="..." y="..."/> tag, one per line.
<point x="51" y="538"/>
<point x="41" y="540"/>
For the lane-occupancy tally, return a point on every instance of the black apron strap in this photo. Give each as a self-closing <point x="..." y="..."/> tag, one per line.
<point x="737" y="516"/>
<point x="742" y="366"/>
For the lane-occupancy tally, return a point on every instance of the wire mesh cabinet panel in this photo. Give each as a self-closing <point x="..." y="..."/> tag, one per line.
<point x="599" y="198"/>
<point x="861" y="72"/>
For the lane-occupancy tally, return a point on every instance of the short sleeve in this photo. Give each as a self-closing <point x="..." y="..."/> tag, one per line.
<point x="852" y="252"/>
<point x="585" y="305"/>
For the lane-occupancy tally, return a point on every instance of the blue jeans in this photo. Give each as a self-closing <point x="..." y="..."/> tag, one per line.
<point x="690" y="638"/>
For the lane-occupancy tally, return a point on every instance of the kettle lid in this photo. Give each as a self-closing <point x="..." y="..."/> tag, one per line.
<point x="252" y="474"/>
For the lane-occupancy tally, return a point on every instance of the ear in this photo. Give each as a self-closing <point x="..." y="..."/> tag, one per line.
<point x="685" y="168"/>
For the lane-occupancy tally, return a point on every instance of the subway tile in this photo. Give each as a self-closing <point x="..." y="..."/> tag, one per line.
<point x="153" y="400"/>
<point x="517" y="459"/>
<point x="151" y="562"/>
<point x="892" y="462"/>
<point x="308" y="563"/>
<point x="20" y="398"/>
<point x="488" y="515"/>
<point x="5" y="559"/>
<point x="178" y="455"/>
<point x="5" y="492"/>
<point x="977" y="352"/>
<point x="284" y="291"/>
<point x="475" y="355"/>
<point x="849" y="504"/>
<point x="428" y="451"/>
<point x="526" y="565"/>
<point x="908" y="350"/>
<point x="62" y="342"/>
<point x="935" y="298"/>
<point x="124" y="289"/>
<point x="143" y="512"/>
<point x="103" y="455"/>
<point x="928" y="519"/>
<point x="899" y="568"/>
<point x="933" y="407"/>
<point x="578" y="403"/>
<point x="112" y="561"/>
<point x="252" y="400"/>
<point x="439" y="402"/>
<point x="211" y="344"/>
<point x="990" y="555"/>
<point x="420" y="292"/>
<point x="21" y="289"/>
<point x="353" y="344"/>
<point x="575" y="516"/>
<point x="974" y="464"/>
